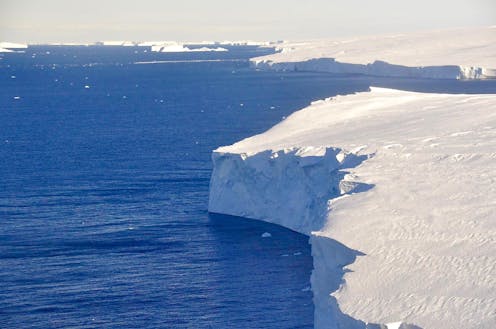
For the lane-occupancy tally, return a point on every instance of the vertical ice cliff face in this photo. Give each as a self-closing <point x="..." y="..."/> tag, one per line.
<point x="289" y="187"/>
<point x="379" y="68"/>
<point x="292" y="188"/>
<point x="450" y="54"/>
<point x="330" y="258"/>
<point x="421" y="210"/>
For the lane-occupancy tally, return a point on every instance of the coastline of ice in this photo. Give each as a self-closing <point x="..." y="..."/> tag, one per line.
<point x="396" y="191"/>
<point x="446" y="54"/>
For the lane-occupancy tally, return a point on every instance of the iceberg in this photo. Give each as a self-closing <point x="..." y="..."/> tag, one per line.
<point x="12" y="45"/>
<point x="175" y="48"/>
<point x="122" y="43"/>
<point x="396" y="191"/>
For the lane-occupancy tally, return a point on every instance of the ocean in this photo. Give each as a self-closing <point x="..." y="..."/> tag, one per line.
<point x="104" y="177"/>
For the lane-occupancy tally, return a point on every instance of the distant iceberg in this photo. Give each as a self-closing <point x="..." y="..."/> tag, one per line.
<point x="119" y="43"/>
<point x="10" y="47"/>
<point x="179" y="48"/>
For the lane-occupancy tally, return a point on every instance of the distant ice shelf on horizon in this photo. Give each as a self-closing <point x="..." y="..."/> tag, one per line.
<point x="155" y="46"/>
<point x="445" y="54"/>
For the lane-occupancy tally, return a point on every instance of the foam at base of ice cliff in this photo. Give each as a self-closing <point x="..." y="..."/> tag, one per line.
<point x="449" y="54"/>
<point x="410" y="204"/>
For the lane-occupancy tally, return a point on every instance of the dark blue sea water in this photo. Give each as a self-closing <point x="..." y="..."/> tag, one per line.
<point x="104" y="173"/>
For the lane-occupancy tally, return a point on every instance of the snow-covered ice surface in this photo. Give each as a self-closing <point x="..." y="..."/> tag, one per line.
<point x="179" y="48"/>
<point x="13" y="45"/>
<point x="460" y="54"/>
<point x="8" y="47"/>
<point x="398" y="193"/>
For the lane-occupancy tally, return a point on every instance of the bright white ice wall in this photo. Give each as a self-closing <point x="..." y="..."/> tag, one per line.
<point x="397" y="191"/>
<point x="283" y="187"/>
<point x="450" y="54"/>
<point x="11" y="45"/>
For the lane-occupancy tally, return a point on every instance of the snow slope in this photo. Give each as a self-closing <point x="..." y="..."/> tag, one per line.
<point x="450" y="54"/>
<point x="398" y="193"/>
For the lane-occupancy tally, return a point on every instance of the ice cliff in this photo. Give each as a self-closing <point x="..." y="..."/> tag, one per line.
<point x="8" y="47"/>
<point x="449" y="54"/>
<point x="396" y="191"/>
<point x="279" y="186"/>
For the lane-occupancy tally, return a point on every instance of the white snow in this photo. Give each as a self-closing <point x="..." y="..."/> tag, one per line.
<point x="452" y="54"/>
<point x="397" y="187"/>
<point x="124" y="43"/>
<point x="245" y="43"/>
<point x="12" y="45"/>
<point x="153" y="43"/>
<point x="9" y="47"/>
<point x="175" y="47"/>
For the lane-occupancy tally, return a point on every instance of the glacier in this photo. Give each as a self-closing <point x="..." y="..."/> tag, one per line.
<point x="396" y="191"/>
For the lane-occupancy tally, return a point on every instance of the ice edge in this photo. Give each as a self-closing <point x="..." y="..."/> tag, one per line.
<point x="242" y="182"/>
<point x="378" y="68"/>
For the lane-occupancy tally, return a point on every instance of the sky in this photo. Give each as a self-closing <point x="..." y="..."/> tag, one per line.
<point x="44" y="21"/>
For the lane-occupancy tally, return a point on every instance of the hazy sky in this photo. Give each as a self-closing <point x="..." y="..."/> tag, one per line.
<point x="38" y="21"/>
